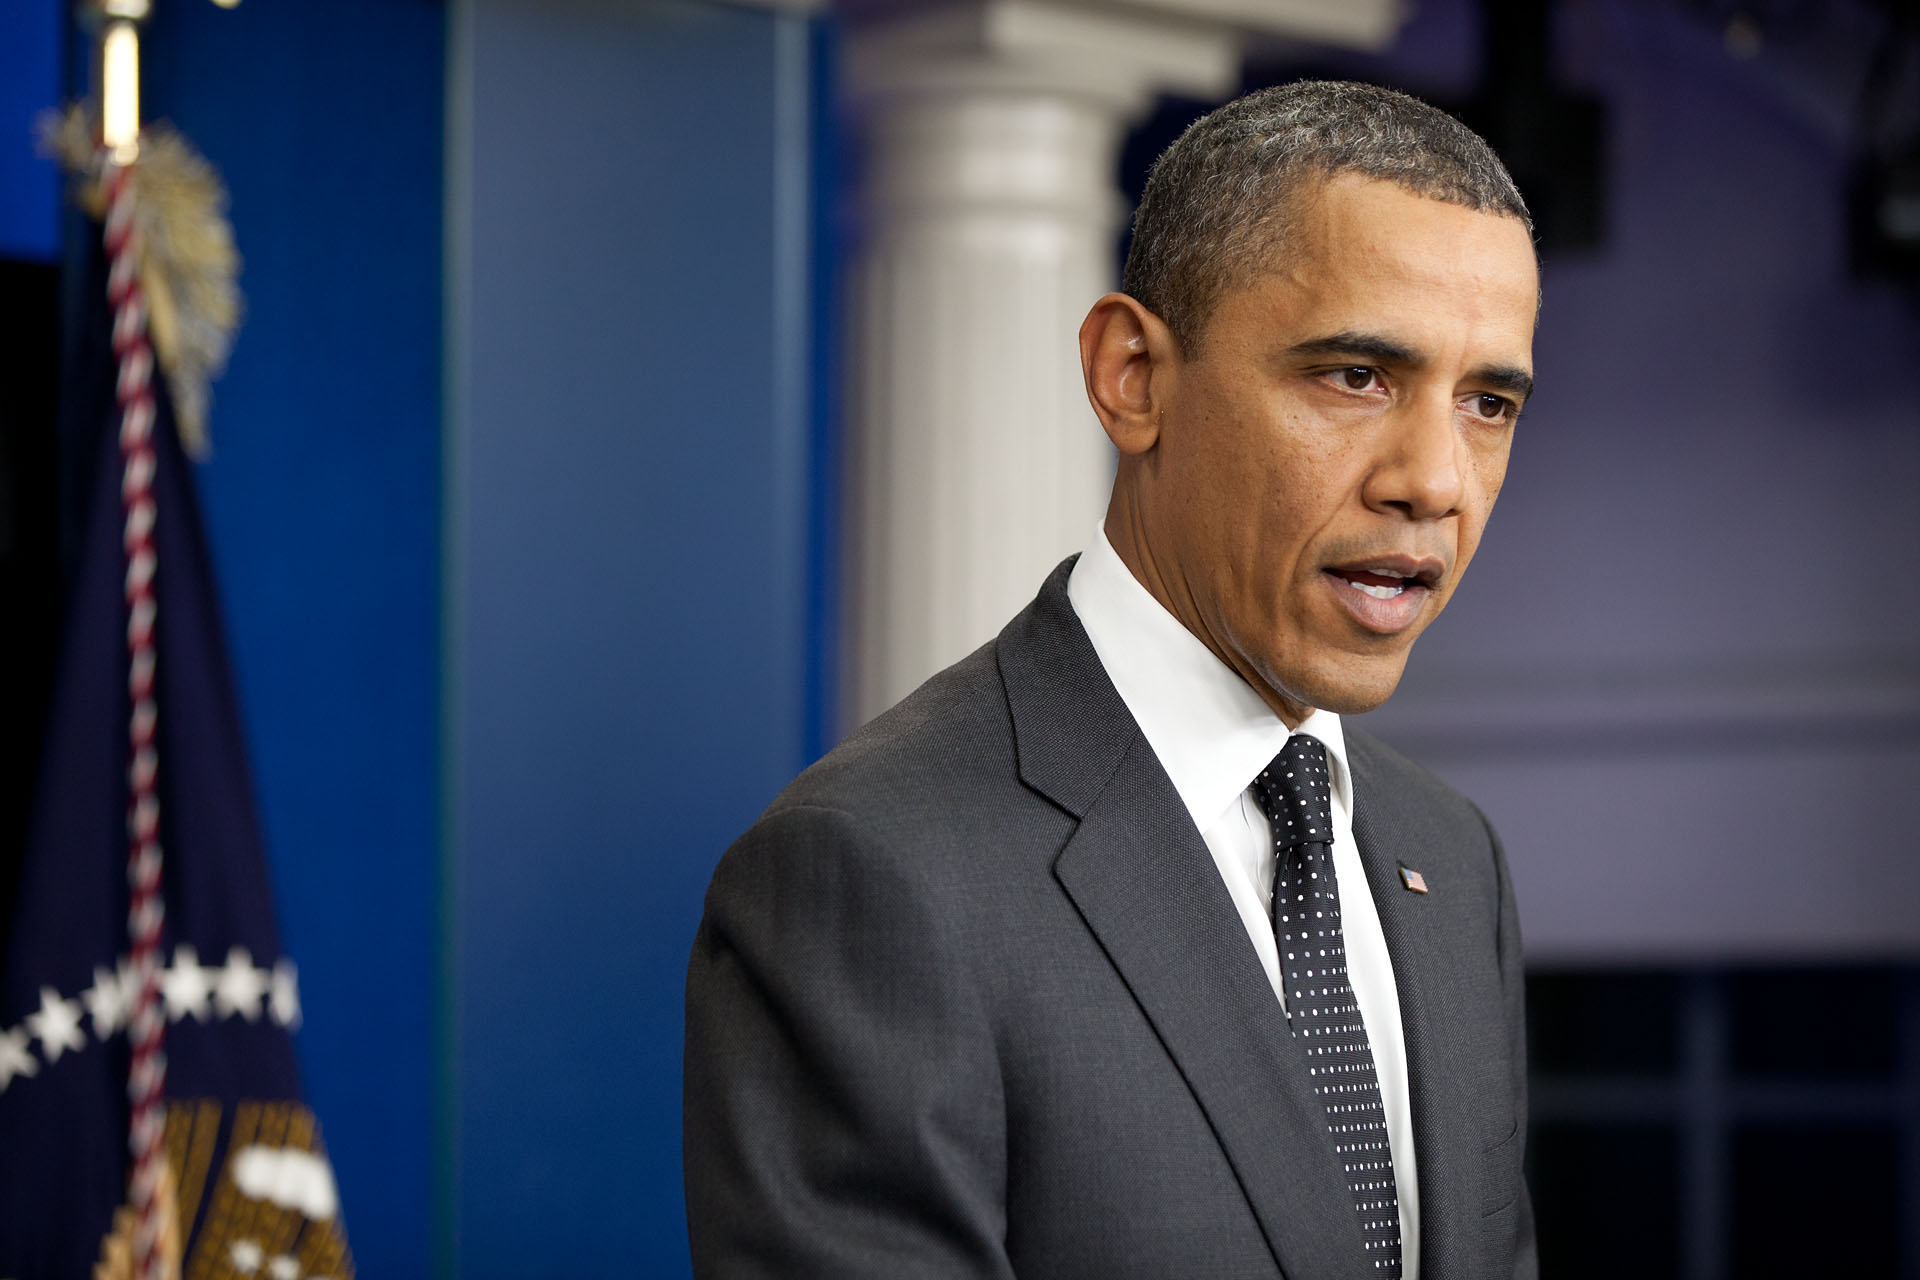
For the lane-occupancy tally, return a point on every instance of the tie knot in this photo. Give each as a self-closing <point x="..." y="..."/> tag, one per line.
<point x="1295" y="792"/>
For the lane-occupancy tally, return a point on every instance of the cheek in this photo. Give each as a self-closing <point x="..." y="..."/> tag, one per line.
<point x="1273" y="561"/>
<point x="1490" y="468"/>
<point x="1261" y="477"/>
<point x="1475" y="524"/>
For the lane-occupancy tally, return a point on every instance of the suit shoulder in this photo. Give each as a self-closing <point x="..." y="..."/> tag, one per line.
<point x="935" y="781"/>
<point x="1381" y="771"/>
<point x="924" y="806"/>
<point x="951" y="736"/>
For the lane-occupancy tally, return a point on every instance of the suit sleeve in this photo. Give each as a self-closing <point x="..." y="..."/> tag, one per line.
<point x="843" y="1106"/>
<point x="1526" y="1261"/>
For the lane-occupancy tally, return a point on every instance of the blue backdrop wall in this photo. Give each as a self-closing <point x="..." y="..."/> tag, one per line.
<point x="627" y="534"/>
<point x="32" y="40"/>
<point x="323" y="503"/>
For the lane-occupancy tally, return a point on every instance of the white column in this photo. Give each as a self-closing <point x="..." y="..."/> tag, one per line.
<point x="986" y="224"/>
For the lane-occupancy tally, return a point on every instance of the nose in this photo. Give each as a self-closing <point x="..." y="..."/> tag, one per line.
<point x="1420" y="469"/>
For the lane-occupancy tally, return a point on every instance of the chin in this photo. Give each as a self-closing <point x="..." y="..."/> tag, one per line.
<point x="1348" y="692"/>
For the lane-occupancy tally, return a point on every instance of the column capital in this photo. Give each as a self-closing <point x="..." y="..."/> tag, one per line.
<point x="1113" y="59"/>
<point x="1118" y="54"/>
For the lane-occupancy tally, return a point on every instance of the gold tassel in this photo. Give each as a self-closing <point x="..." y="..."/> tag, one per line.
<point x="189" y="267"/>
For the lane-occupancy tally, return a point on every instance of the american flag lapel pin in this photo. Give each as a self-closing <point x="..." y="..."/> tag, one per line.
<point x="1413" y="879"/>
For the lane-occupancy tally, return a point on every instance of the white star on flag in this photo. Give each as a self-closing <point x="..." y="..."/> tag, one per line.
<point x="185" y="985"/>
<point x="14" y="1058"/>
<point x="107" y="1002"/>
<point x="239" y="987"/>
<point x="130" y="985"/>
<point x="285" y="1000"/>
<point x="246" y="1256"/>
<point x="57" y="1024"/>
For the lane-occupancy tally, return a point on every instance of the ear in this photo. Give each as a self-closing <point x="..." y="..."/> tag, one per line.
<point x="1129" y="359"/>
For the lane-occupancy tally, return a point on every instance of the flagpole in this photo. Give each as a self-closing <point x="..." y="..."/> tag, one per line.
<point x="146" y="909"/>
<point x="119" y="63"/>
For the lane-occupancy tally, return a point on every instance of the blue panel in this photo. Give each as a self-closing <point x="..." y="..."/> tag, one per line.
<point x="629" y="529"/>
<point x="30" y="83"/>
<point x="323" y="505"/>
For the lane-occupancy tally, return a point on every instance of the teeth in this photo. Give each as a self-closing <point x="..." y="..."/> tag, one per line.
<point x="1379" y="593"/>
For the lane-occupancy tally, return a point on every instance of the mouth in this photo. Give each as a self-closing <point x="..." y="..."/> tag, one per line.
<point x="1385" y="595"/>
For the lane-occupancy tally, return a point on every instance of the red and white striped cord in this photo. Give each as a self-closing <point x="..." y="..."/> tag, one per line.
<point x="146" y="909"/>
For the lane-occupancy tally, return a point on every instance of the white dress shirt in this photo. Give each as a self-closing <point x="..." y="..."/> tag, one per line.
<point x="1213" y="735"/>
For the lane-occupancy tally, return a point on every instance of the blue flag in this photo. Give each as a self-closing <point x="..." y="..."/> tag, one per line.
<point x="249" y="1187"/>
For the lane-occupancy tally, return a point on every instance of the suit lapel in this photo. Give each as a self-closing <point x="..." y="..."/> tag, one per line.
<point x="1147" y="888"/>
<point x="1392" y="830"/>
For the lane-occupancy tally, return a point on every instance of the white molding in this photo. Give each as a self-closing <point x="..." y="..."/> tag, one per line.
<point x="1699" y="708"/>
<point x="1688" y="808"/>
<point x="1353" y="24"/>
<point x="1113" y="57"/>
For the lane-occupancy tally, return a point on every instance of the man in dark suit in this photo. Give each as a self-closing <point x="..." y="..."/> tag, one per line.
<point x="1110" y="952"/>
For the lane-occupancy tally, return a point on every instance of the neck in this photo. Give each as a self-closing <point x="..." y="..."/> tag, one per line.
<point x="1127" y="532"/>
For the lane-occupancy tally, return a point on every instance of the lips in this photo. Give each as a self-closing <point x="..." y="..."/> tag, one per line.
<point x="1385" y="595"/>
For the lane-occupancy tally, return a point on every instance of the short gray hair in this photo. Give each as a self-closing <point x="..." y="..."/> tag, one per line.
<point x="1216" y="205"/>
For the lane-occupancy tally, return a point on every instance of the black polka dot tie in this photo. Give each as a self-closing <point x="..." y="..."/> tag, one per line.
<point x="1294" y="792"/>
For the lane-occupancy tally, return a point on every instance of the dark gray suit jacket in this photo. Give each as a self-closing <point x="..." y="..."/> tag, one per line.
<point x="970" y="999"/>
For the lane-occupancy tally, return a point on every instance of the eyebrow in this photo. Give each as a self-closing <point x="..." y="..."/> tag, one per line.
<point x="1366" y="346"/>
<point x="1376" y="349"/>
<point x="1504" y="377"/>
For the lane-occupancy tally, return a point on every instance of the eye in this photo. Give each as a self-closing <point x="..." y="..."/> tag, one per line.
<point x="1357" y="377"/>
<point x="1493" y="408"/>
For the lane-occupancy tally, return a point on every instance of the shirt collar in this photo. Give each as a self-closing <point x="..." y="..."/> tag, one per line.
<point x="1212" y="733"/>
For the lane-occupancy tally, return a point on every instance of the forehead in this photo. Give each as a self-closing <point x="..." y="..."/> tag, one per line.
<point x="1368" y="255"/>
